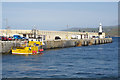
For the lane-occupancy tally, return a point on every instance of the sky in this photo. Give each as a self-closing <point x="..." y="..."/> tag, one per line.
<point x="57" y="15"/>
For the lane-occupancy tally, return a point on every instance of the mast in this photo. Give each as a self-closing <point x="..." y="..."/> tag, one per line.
<point x="34" y="31"/>
<point x="7" y="27"/>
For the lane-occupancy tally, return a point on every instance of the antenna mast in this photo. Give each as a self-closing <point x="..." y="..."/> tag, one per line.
<point x="34" y="31"/>
<point x="7" y="27"/>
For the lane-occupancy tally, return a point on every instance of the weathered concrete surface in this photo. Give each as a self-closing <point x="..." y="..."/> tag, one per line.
<point x="5" y="46"/>
<point x="59" y="44"/>
<point x="72" y="43"/>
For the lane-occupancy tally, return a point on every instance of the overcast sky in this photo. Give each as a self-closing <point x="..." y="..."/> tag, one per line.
<point x="56" y="15"/>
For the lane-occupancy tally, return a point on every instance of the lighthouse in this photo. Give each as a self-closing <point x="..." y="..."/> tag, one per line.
<point x="100" y="28"/>
<point x="100" y="31"/>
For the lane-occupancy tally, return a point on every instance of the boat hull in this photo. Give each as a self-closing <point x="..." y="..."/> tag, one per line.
<point x="21" y="53"/>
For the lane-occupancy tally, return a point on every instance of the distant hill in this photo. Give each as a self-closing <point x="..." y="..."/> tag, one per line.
<point x="109" y="30"/>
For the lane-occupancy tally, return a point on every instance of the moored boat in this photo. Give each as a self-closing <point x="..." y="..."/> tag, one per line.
<point x="33" y="46"/>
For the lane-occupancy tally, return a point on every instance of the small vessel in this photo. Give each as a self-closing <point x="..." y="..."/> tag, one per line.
<point x="32" y="46"/>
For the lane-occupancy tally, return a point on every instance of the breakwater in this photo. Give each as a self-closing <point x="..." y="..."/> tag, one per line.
<point x="5" y="46"/>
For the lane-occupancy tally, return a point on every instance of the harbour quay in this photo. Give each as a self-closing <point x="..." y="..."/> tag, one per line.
<point x="53" y="39"/>
<point x="75" y="43"/>
<point x="5" y="46"/>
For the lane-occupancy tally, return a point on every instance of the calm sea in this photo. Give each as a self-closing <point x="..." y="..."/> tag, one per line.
<point x="96" y="61"/>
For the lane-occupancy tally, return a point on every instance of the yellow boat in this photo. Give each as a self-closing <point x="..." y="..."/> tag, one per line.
<point x="32" y="47"/>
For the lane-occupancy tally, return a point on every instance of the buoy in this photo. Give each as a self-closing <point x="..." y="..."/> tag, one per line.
<point x="41" y="50"/>
<point x="35" y="52"/>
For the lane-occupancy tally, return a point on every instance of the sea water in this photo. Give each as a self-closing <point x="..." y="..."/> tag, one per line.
<point x="95" y="61"/>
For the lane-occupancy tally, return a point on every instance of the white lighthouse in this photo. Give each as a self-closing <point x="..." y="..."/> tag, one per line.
<point x="100" y="31"/>
<point x="100" y="28"/>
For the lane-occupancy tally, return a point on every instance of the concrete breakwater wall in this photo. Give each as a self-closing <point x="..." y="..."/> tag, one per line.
<point x="73" y="43"/>
<point x="5" y="46"/>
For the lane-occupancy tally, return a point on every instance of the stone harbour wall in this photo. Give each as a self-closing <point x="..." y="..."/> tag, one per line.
<point x="5" y="46"/>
